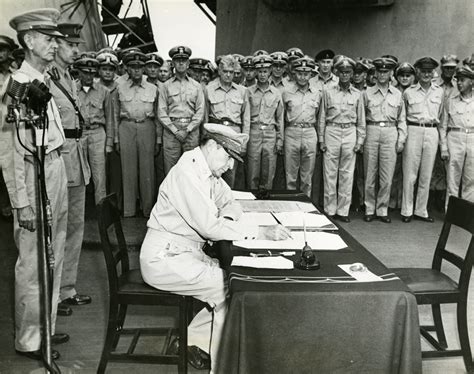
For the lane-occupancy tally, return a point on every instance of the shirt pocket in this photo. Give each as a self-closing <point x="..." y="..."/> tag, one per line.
<point x="217" y="106"/>
<point x="148" y="100"/>
<point x="415" y="106"/>
<point x="393" y="107"/>
<point x="236" y="105"/>
<point x="191" y="97"/>
<point x="96" y="109"/>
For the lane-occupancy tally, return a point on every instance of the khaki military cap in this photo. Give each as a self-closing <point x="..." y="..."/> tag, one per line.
<point x="449" y="60"/>
<point x="304" y="64"/>
<point x="294" y="53"/>
<point x="262" y="61"/>
<point x="426" y="63"/>
<point x="405" y="67"/>
<point x="8" y="42"/>
<point x="107" y="58"/>
<point x="247" y="62"/>
<point x="384" y="63"/>
<point x="344" y="62"/>
<point x="87" y="64"/>
<point x="279" y="57"/>
<point x="464" y="71"/>
<point x="71" y="32"/>
<point x="43" y="20"/>
<point x="233" y="142"/>
<point x="154" y="58"/>
<point x="259" y="52"/>
<point x="180" y="52"/>
<point x="135" y="58"/>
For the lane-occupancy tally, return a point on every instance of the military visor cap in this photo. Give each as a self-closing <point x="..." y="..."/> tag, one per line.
<point x="449" y="60"/>
<point x="362" y="66"/>
<point x="405" y="67"/>
<point x="43" y="20"/>
<point x="344" y="63"/>
<point x="384" y="63"/>
<point x="88" y="54"/>
<point x="238" y="57"/>
<point x="198" y="63"/>
<point x="464" y="71"/>
<point x="262" y="61"/>
<point x="247" y="62"/>
<point x="294" y="53"/>
<point x="303" y="64"/>
<point x="8" y="42"/>
<point x="134" y="58"/>
<point x="107" y="59"/>
<point x="259" y="52"/>
<point x="180" y="52"/>
<point x="426" y="63"/>
<point x="153" y="58"/>
<point x="87" y="64"/>
<point x="279" y="57"/>
<point x="325" y="54"/>
<point x="71" y="32"/>
<point x="233" y="142"/>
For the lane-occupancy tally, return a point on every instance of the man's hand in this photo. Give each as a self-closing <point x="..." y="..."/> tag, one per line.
<point x="157" y="149"/>
<point x="108" y="148"/>
<point x="27" y="218"/>
<point x="322" y="147"/>
<point x="274" y="232"/>
<point x="181" y="135"/>
<point x="400" y="147"/>
<point x="279" y="148"/>
<point x="445" y="155"/>
<point x="358" y="148"/>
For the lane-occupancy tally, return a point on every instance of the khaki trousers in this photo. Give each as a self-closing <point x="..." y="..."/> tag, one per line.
<point x="339" y="163"/>
<point x="94" y="150"/>
<point x="173" y="148"/>
<point x="418" y="160"/>
<point x="27" y="290"/>
<point x="300" y="157"/>
<point x="261" y="158"/>
<point x="380" y="156"/>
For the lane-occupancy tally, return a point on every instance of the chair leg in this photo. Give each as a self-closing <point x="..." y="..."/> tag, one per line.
<point x="464" y="336"/>
<point x="438" y="324"/>
<point x="184" y="312"/>
<point x="120" y="322"/>
<point x="109" y="337"/>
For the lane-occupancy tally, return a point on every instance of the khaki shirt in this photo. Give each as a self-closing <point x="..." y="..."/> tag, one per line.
<point x="96" y="107"/>
<point x="197" y="212"/>
<point x="457" y="112"/>
<point x="181" y="99"/>
<point x="12" y="154"/>
<point x="342" y="107"/>
<point x="389" y="107"/>
<point x="449" y="88"/>
<point x="281" y="85"/>
<point x="232" y="104"/>
<point x="266" y="108"/>
<point x="301" y="106"/>
<point x="422" y="106"/>
<point x="320" y="83"/>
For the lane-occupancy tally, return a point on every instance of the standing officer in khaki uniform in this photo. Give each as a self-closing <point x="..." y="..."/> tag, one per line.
<point x="37" y="32"/>
<point x="228" y="104"/>
<point x="64" y="91"/>
<point x="139" y="135"/>
<point x="457" y="137"/>
<point x="180" y="109"/>
<point x="424" y="105"/>
<point x="96" y="108"/>
<point x="249" y="71"/>
<point x="341" y="134"/>
<point x="108" y="63"/>
<point x="301" y="101"/>
<point x="386" y="135"/>
<point x="293" y="54"/>
<point x="266" y="127"/>
<point x="152" y="68"/>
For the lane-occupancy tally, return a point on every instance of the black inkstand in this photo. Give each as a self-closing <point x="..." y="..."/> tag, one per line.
<point x="307" y="260"/>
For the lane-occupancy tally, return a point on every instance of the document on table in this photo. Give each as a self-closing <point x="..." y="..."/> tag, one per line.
<point x="242" y="195"/>
<point x="273" y="262"/>
<point x="258" y="218"/>
<point x="276" y="206"/>
<point x="362" y="275"/>
<point x="316" y="240"/>
<point x="299" y="219"/>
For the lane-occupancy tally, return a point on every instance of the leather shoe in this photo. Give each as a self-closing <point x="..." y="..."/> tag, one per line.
<point x="385" y="219"/>
<point x="77" y="300"/>
<point x="406" y="219"/>
<point x="59" y="338"/>
<point x="64" y="310"/>
<point x="369" y="217"/>
<point x="38" y="355"/>
<point x="424" y="219"/>
<point x="343" y="218"/>
<point x="197" y="358"/>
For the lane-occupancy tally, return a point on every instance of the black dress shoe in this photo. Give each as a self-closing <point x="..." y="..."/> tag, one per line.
<point x="406" y="219"/>
<point x="197" y="358"/>
<point x="424" y="219"/>
<point x="369" y="217"/>
<point x="343" y="218"/>
<point x="59" y="338"/>
<point x="385" y="219"/>
<point x="37" y="355"/>
<point x="77" y="300"/>
<point x="64" y="310"/>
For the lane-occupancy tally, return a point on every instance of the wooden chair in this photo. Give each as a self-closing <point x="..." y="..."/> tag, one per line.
<point x="433" y="287"/>
<point x="126" y="287"/>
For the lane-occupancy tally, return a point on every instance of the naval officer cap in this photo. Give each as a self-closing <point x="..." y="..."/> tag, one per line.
<point x="294" y="53"/>
<point x="180" y="51"/>
<point x="247" y="62"/>
<point x="304" y="64"/>
<point x="405" y="67"/>
<point x="449" y="60"/>
<point x="107" y="59"/>
<point x="384" y="63"/>
<point x="233" y="142"/>
<point x="44" y="21"/>
<point x="279" y="57"/>
<point x="71" y="32"/>
<point x="135" y="58"/>
<point x="238" y="57"/>
<point x="87" y="64"/>
<point x="464" y="71"/>
<point x="362" y="65"/>
<point x="344" y="62"/>
<point x="198" y="63"/>
<point x="426" y="63"/>
<point x="325" y="54"/>
<point x="6" y="41"/>
<point x="262" y="61"/>
<point x="154" y="59"/>
<point x="259" y="52"/>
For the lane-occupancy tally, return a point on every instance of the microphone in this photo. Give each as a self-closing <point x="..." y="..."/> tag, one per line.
<point x="17" y="88"/>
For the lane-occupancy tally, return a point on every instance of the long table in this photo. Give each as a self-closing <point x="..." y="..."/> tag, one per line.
<point x="323" y="321"/>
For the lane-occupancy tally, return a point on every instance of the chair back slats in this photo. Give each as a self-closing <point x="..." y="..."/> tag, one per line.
<point x="461" y="213"/>
<point x="453" y="258"/>
<point x="116" y="255"/>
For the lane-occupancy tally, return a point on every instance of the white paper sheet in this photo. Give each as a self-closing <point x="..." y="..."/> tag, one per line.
<point x="277" y="262"/>
<point x="316" y="240"/>
<point x="258" y="219"/>
<point x="296" y="219"/>
<point x="242" y="195"/>
<point x="362" y="275"/>
<point x="276" y="206"/>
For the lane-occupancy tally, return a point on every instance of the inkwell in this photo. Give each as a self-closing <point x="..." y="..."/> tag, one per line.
<point x="307" y="260"/>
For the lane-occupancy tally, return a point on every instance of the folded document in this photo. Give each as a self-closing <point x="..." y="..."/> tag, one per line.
<point x="271" y="262"/>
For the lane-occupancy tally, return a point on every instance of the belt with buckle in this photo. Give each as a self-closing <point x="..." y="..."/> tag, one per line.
<point x="183" y="120"/>
<point x="428" y="125"/>
<point x="303" y="125"/>
<point x="467" y="130"/>
<point x="261" y="126"/>
<point x="341" y="125"/>
<point x="225" y="122"/>
<point x="73" y="133"/>
<point x="93" y="126"/>
<point x="381" y="123"/>
<point x="135" y="120"/>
